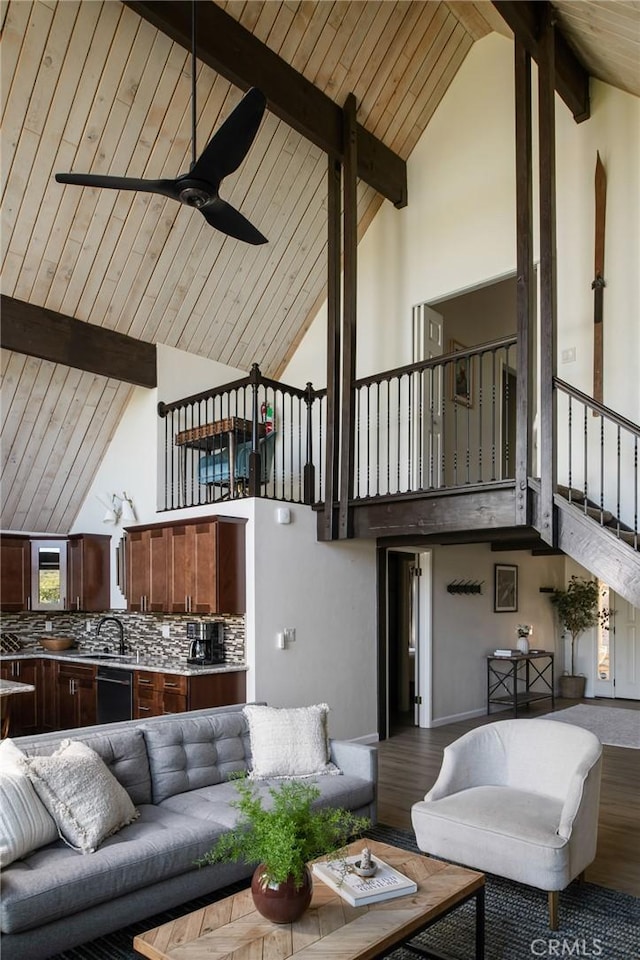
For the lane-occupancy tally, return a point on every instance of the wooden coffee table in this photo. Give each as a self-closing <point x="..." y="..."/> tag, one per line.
<point x="330" y="929"/>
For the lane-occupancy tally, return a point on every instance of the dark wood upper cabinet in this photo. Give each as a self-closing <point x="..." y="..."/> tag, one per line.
<point x="195" y="566"/>
<point x="15" y="574"/>
<point x="88" y="572"/>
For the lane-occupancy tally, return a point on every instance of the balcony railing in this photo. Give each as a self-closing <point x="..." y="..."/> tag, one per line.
<point x="252" y="437"/>
<point x="446" y="422"/>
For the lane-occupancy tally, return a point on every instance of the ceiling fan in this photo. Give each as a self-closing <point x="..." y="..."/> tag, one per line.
<point x="199" y="187"/>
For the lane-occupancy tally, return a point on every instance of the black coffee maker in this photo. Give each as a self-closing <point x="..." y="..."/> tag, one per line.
<point x="206" y="642"/>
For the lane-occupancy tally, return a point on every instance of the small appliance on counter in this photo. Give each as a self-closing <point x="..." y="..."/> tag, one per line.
<point x="206" y="644"/>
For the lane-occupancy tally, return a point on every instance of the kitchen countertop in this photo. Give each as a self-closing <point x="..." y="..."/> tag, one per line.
<point x="11" y="687"/>
<point x="153" y="664"/>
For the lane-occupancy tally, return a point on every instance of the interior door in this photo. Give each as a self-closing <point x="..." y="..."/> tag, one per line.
<point x="624" y="623"/>
<point x="428" y="339"/>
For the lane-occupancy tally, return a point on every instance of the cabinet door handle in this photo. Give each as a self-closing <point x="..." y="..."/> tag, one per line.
<point x="28" y="604"/>
<point x="170" y="684"/>
<point x="144" y="683"/>
<point x="144" y="709"/>
<point x="77" y="603"/>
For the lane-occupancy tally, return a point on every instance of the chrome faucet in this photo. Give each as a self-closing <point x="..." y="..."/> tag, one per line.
<point x="122" y="647"/>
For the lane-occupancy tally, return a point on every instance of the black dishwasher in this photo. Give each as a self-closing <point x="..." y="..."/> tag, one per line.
<point x="115" y="689"/>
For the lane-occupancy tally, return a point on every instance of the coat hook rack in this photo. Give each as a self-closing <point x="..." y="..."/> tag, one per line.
<point x="465" y="586"/>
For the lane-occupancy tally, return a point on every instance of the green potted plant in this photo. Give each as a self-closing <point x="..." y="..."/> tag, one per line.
<point x="578" y="609"/>
<point x="281" y="839"/>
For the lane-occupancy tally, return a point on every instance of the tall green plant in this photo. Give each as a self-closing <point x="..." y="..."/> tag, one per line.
<point x="578" y="609"/>
<point x="288" y="834"/>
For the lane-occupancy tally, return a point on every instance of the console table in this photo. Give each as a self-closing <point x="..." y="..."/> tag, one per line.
<point x="510" y="679"/>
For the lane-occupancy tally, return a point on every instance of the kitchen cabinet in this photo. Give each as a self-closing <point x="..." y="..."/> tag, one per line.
<point x="88" y="572"/>
<point x="75" y="695"/>
<point x="15" y="573"/>
<point x="195" y="566"/>
<point x="155" y="694"/>
<point x="146" y="566"/>
<point x="24" y="708"/>
<point x="207" y="567"/>
<point x="46" y="684"/>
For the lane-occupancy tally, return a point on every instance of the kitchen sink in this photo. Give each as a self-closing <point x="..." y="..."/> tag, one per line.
<point x="103" y="656"/>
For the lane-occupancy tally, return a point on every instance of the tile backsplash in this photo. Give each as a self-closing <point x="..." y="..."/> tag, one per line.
<point x="142" y="631"/>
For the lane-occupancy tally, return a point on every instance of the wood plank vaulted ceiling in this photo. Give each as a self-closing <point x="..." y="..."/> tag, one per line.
<point x="90" y="87"/>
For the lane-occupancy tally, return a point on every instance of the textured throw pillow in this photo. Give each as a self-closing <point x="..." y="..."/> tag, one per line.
<point x="288" y="742"/>
<point x="81" y="794"/>
<point x="25" y="824"/>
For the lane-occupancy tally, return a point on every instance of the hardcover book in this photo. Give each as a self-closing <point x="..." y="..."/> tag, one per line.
<point x="385" y="884"/>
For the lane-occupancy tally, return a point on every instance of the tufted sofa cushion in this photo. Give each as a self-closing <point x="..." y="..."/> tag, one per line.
<point x="189" y="754"/>
<point x="124" y="752"/>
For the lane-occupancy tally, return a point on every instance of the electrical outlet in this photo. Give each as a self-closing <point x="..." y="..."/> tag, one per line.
<point x="166" y="631"/>
<point x="568" y="355"/>
<point x="289" y="634"/>
<point x="48" y="626"/>
<point x="87" y="626"/>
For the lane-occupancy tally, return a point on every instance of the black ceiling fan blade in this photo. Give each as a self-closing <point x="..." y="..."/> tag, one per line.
<point x="230" y="144"/>
<point x="167" y="188"/>
<point x="221" y="215"/>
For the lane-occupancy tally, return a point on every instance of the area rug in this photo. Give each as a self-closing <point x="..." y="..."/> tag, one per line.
<point x="612" y="725"/>
<point x="594" y="922"/>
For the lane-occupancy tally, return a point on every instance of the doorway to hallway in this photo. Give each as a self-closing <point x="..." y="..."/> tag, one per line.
<point x="404" y="645"/>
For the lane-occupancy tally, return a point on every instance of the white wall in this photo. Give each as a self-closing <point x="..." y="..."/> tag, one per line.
<point x="465" y="629"/>
<point x="327" y="591"/>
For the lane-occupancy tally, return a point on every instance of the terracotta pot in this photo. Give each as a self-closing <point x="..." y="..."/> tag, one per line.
<point x="571" y="688"/>
<point x="281" y="902"/>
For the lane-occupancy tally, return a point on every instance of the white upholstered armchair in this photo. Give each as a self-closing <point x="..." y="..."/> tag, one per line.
<point x="517" y="798"/>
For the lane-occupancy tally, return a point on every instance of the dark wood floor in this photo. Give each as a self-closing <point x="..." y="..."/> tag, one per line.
<point x="409" y="762"/>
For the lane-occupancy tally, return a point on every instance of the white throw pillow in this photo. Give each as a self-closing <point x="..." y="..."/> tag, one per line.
<point x="25" y="824"/>
<point x="288" y="742"/>
<point x="81" y="794"/>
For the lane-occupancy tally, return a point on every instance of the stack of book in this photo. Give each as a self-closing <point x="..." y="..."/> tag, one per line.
<point x="507" y="653"/>
<point x="385" y="884"/>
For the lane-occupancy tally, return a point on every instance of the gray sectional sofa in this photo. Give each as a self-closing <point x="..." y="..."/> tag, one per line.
<point x="175" y="769"/>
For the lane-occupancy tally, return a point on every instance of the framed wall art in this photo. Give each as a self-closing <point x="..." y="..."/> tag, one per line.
<point x="505" y="588"/>
<point x="461" y="377"/>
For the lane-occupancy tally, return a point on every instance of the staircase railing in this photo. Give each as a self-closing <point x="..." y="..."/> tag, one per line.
<point x="598" y="461"/>
<point x="445" y="422"/>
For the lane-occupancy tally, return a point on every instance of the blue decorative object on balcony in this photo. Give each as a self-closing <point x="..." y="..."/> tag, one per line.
<point x="214" y="468"/>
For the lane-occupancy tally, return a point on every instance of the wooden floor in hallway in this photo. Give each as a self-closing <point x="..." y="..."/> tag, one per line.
<point x="409" y="762"/>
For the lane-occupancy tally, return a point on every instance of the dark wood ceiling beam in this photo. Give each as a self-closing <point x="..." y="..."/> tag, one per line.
<point x="234" y="53"/>
<point x="525" y="18"/>
<point x="36" y="332"/>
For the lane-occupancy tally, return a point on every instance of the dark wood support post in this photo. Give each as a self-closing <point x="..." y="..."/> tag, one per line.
<point x="255" y="468"/>
<point x="334" y="257"/>
<point x="525" y="282"/>
<point x="350" y="214"/>
<point x="547" y="143"/>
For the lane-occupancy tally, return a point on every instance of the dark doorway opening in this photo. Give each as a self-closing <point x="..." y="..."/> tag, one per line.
<point x="401" y="640"/>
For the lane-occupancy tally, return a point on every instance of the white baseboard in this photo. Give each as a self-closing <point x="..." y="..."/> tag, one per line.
<point x="368" y="739"/>
<point x="468" y="715"/>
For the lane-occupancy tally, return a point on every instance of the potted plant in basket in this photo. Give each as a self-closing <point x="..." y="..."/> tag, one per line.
<point x="578" y="609"/>
<point x="281" y="840"/>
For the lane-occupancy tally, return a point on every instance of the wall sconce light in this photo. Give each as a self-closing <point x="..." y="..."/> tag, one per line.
<point x="118" y="508"/>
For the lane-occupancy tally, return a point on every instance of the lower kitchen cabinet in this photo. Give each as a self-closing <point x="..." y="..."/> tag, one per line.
<point x="155" y="694"/>
<point x="24" y="707"/>
<point x="47" y="695"/>
<point x="76" y="695"/>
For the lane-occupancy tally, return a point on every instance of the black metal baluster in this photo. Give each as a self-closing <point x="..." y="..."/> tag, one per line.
<point x="378" y="427"/>
<point x="398" y="431"/>
<point x="570" y="448"/>
<point x="368" y="479"/>
<point x="442" y="369"/>
<point x="469" y="402"/>
<point x="455" y="432"/>
<point x="585" y="430"/>
<point x="494" y="414"/>
<point x="618" y="458"/>
<point x="601" y="469"/>
<point x="480" y="412"/>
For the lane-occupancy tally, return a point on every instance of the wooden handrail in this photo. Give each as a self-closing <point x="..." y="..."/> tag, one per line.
<point x="596" y="405"/>
<point x="437" y="361"/>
